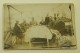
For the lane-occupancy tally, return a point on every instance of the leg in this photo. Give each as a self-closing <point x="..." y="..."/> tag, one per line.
<point x="22" y="38"/>
<point x="47" y="42"/>
<point x="16" y="39"/>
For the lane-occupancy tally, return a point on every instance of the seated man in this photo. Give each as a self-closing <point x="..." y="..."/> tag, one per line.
<point x="18" y="32"/>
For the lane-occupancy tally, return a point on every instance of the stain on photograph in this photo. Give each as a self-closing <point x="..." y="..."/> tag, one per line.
<point x="38" y="26"/>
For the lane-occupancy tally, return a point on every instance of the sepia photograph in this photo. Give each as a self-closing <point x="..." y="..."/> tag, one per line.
<point x="39" y="26"/>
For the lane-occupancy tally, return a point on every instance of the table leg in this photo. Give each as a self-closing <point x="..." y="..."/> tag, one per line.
<point x="47" y="43"/>
<point x="30" y="43"/>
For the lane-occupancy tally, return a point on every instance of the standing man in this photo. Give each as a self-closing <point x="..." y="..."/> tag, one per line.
<point x="47" y="20"/>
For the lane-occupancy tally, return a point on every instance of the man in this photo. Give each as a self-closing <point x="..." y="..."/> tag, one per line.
<point x="23" y="26"/>
<point x="33" y="22"/>
<point x="47" y="20"/>
<point x="17" y="31"/>
<point x="17" y="28"/>
<point x="51" y="23"/>
<point x="42" y="22"/>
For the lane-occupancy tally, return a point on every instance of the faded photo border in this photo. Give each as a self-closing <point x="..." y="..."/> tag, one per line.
<point x="76" y="8"/>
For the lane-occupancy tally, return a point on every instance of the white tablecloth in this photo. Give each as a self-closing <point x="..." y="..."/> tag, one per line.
<point x="37" y="32"/>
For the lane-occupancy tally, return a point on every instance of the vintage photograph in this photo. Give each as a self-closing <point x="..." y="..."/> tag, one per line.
<point x="39" y="26"/>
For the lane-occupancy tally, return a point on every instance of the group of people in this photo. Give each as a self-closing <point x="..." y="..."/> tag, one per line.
<point x="54" y="23"/>
<point x="20" y="29"/>
<point x="49" y="21"/>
